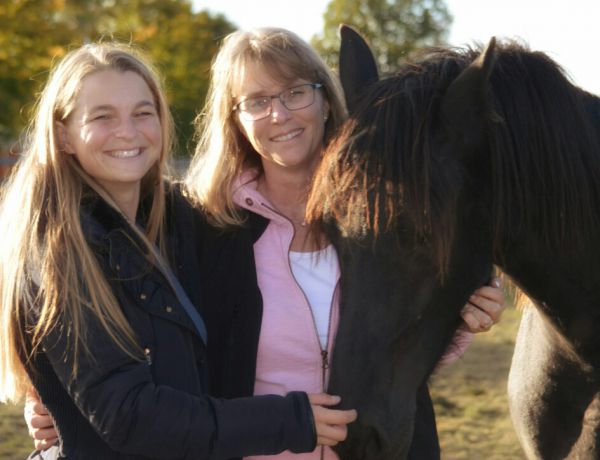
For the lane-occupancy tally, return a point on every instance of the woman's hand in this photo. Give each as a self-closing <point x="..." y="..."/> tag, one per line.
<point x="39" y="421"/>
<point x="330" y="423"/>
<point x="484" y="307"/>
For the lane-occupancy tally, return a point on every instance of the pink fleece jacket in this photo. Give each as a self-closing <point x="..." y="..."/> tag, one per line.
<point x="290" y="356"/>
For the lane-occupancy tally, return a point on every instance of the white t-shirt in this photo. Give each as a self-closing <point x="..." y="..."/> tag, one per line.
<point x="316" y="272"/>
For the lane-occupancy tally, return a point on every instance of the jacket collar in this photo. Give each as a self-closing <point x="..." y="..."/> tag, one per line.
<point x="247" y="196"/>
<point x="100" y="220"/>
<point x="110" y="234"/>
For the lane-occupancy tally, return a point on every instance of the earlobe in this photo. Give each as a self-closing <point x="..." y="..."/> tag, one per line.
<point x="326" y="111"/>
<point x="62" y="138"/>
<point x="240" y="126"/>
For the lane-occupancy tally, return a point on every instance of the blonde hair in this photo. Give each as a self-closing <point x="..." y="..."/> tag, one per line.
<point x="223" y="152"/>
<point x="45" y="261"/>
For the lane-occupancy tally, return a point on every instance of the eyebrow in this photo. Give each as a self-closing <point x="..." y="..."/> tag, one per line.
<point x="263" y="93"/>
<point x="243" y="97"/>
<point x="143" y="103"/>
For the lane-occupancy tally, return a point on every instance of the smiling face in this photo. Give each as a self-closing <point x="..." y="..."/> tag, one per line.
<point x="286" y="138"/>
<point x="114" y="131"/>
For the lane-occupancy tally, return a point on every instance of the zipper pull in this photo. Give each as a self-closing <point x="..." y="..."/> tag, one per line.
<point x="325" y="358"/>
<point x="148" y="356"/>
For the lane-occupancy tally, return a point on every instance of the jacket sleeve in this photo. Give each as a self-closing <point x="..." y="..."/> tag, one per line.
<point x="460" y="342"/>
<point x="119" y="398"/>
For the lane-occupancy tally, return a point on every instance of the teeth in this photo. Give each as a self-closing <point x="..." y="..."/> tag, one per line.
<point x="288" y="136"/>
<point x="125" y="153"/>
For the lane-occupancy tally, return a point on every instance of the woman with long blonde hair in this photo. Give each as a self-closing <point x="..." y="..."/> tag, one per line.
<point x="46" y="259"/>
<point x="273" y="106"/>
<point x="91" y="311"/>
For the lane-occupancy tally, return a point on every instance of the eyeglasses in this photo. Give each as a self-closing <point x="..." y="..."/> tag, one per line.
<point x="296" y="98"/>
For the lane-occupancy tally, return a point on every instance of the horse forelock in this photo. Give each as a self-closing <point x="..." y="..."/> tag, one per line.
<point x="545" y="153"/>
<point x="382" y="165"/>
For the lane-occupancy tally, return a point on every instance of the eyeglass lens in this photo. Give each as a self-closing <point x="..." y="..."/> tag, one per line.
<point x="296" y="98"/>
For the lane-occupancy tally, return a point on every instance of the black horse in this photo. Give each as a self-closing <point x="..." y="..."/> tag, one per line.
<point x="464" y="160"/>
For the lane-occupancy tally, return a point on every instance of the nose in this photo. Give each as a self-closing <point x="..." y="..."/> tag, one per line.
<point x="126" y="128"/>
<point x="279" y="112"/>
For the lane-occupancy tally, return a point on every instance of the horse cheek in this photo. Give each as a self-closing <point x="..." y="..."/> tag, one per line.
<point x="381" y="430"/>
<point x="365" y="371"/>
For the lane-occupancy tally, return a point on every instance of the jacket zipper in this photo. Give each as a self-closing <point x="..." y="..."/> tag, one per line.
<point x="324" y="352"/>
<point x="148" y="356"/>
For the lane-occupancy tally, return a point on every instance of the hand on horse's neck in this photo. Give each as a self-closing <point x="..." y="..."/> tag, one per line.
<point x="288" y="195"/>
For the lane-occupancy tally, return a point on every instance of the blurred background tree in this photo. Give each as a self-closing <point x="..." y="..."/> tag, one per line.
<point x="181" y="42"/>
<point x="394" y="28"/>
<point x="34" y="32"/>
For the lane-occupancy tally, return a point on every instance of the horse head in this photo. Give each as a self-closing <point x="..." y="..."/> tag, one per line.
<point x="392" y="183"/>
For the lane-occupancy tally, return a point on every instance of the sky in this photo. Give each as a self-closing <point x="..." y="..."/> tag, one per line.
<point x="568" y="30"/>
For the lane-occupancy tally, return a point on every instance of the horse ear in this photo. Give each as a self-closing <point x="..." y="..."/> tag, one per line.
<point x="357" y="65"/>
<point x="464" y="106"/>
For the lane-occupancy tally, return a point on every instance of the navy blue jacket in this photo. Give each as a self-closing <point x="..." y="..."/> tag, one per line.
<point x="120" y="408"/>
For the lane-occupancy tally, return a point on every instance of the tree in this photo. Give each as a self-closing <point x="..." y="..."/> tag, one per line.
<point x="395" y="29"/>
<point x="28" y="42"/>
<point x="34" y="32"/>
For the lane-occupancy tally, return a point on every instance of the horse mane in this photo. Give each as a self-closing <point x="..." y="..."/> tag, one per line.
<point x="545" y="150"/>
<point x="382" y="163"/>
<point x="543" y="153"/>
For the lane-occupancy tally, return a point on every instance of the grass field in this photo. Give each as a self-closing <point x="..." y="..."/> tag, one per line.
<point x="469" y="395"/>
<point x="470" y="398"/>
<point x="14" y="442"/>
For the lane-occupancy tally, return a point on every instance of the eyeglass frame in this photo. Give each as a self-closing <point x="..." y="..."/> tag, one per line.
<point x="243" y="113"/>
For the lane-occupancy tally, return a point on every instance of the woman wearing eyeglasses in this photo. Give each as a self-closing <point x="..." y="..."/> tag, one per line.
<point x="272" y="107"/>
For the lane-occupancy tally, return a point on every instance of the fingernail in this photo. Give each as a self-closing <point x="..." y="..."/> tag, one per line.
<point x="496" y="282"/>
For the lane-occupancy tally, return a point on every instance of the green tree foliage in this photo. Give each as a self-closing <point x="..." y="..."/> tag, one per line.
<point x="394" y="28"/>
<point x="34" y="32"/>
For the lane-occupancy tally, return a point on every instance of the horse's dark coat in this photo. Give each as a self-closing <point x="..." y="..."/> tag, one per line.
<point x="459" y="162"/>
